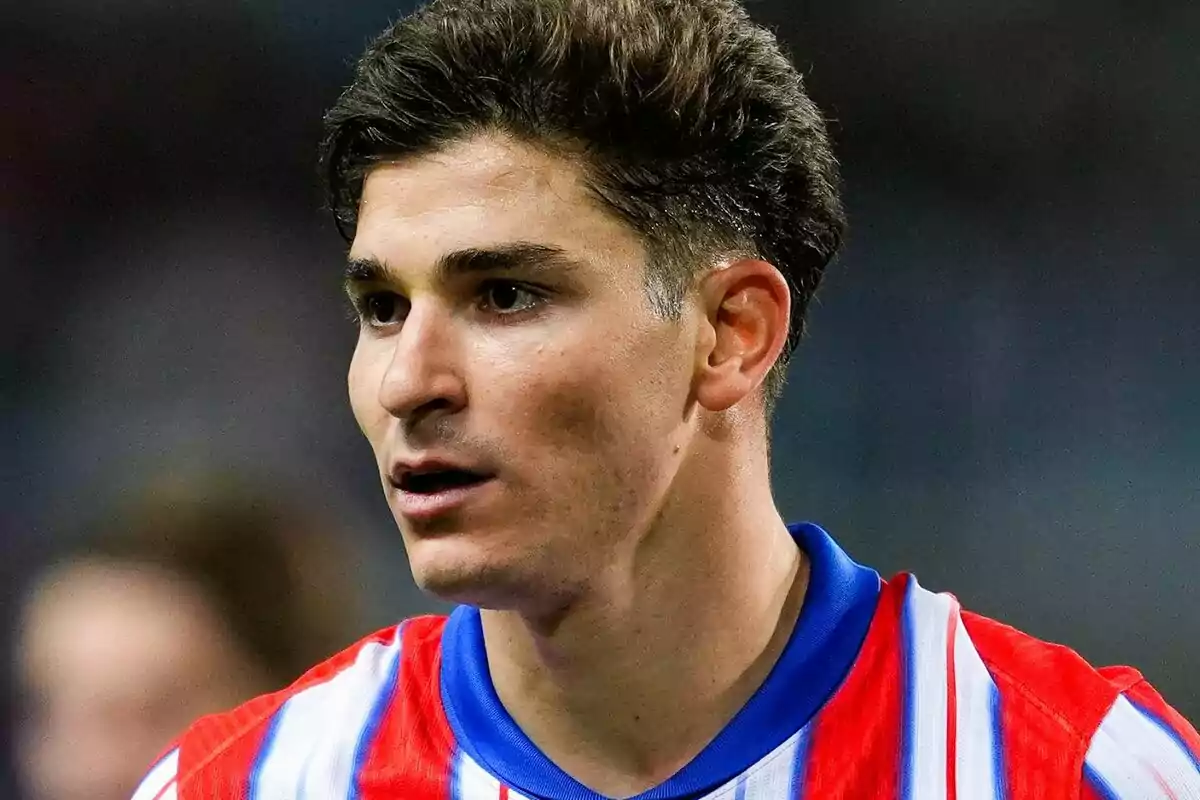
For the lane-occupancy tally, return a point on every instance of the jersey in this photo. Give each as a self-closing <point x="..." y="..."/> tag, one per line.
<point x="884" y="690"/>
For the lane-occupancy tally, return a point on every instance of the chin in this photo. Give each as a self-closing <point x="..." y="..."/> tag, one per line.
<point x="459" y="572"/>
<point x="468" y="575"/>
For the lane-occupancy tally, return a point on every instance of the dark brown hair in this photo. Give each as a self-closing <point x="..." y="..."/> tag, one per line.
<point x="281" y="587"/>
<point x="693" y="126"/>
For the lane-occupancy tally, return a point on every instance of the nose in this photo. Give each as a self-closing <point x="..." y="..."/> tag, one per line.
<point x="424" y="379"/>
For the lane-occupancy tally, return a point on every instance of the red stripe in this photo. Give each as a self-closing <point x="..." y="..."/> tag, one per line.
<point x="503" y="792"/>
<point x="219" y="751"/>
<point x="414" y="747"/>
<point x="1051" y="702"/>
<point x="951" y="706"/>
<point x="1088" y="792"/>
<point x="854" y="746"/>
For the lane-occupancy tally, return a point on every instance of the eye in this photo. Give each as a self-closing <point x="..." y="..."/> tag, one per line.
<point x="507" y="297"/>
<point x="378" y="309"/>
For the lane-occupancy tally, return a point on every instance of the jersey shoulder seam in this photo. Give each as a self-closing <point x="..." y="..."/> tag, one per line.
<point x="1080" y="735"/>
<point x="1047" y="709"/>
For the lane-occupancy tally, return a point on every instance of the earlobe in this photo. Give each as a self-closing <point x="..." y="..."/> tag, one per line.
<point x="747" y="305"/>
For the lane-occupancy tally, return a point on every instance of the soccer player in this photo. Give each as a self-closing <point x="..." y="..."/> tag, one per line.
<point x="584" y="237"/>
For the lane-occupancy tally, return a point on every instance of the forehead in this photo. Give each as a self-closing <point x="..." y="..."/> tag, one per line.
<point x="485" y="191"/>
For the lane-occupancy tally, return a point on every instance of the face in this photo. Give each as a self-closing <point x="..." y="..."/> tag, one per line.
<point x="525" y="404"/>
<point x="114" y="662"/>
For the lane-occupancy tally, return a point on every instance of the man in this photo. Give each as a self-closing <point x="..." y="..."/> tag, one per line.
<point x="585" y="234"/>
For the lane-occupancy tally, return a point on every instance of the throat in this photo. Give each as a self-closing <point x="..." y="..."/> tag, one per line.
<point x="622" y="703"/>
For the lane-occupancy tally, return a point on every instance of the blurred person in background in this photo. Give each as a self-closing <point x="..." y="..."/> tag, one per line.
<point x="195" y="598"/>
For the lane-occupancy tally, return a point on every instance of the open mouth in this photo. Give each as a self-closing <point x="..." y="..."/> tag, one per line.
<point x="439" y="480"/>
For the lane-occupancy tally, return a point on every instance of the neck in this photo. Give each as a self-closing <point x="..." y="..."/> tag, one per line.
<point x="681" y="633"/>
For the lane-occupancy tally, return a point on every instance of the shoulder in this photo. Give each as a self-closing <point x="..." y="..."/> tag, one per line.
<point x="1006" y="715"/>
<point x="1059" y="686"/>
<point x="1103" y="729"/>
<point x="324" y="716"/>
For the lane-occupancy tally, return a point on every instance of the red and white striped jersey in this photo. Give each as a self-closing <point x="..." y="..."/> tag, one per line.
<point x="885" y="690"/>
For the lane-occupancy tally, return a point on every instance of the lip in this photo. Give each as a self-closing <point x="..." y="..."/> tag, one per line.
<point x="427" y="506"/>
<point x="418" y="506"/>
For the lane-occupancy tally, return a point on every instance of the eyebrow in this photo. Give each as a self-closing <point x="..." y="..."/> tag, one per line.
<point x="524" y="256"/>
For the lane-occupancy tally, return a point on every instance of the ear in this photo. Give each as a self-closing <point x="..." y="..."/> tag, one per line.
<point x="747" y="307"/>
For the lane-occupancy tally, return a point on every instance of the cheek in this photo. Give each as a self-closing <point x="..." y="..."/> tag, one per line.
<point x="593" y="419"/>
<point x="559" y="396"/>
<point x="362" y="384"/>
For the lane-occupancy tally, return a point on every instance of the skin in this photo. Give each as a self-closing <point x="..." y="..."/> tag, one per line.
<point x="627" y="552"/>
<point x="114" y="660"/>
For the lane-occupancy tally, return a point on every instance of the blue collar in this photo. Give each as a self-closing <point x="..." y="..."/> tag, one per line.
<point x="837" y="611"/>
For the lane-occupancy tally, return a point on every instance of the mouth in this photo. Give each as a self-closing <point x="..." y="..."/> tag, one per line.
<point x="438" y="479"/>
<point x="428" y="491"/>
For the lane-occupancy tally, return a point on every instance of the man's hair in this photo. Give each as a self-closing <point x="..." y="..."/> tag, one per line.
<point x="690" y="123"/>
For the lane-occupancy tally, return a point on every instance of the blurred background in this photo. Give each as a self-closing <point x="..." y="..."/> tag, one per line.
<point x="999" y="391"/>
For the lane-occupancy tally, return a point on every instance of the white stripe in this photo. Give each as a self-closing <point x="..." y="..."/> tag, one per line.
<point x="975" y="723"/>
<point x="312" y="753"/>
<point x="771" y="778"/>
<point x="930" y="619"/>
<point x="1137" y="758"/>
<point x="170" y="793"/>
<point x="474" y="782"/>
<point x="157" y="779"/>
